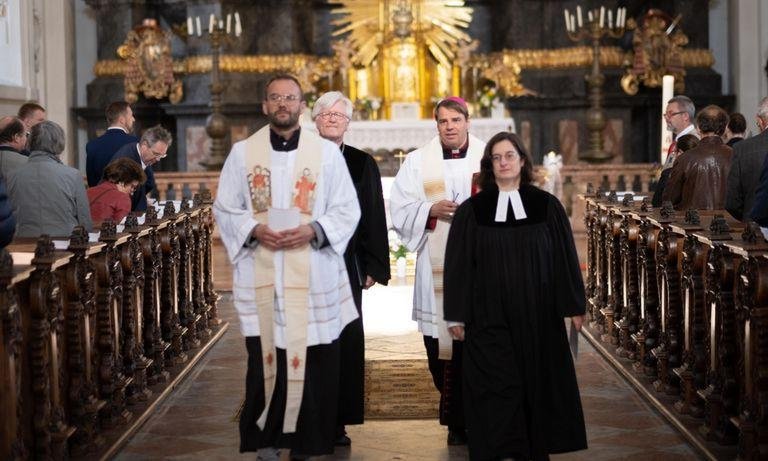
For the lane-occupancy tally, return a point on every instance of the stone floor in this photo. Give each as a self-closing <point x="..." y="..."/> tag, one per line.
<point x="196" y="422"/>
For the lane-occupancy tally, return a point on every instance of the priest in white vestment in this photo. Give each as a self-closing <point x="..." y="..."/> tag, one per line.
<point x="286" y="208"/>
<point x="429" y="186"/>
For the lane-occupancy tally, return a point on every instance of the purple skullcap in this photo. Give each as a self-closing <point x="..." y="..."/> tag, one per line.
<point x="457" y="100"/>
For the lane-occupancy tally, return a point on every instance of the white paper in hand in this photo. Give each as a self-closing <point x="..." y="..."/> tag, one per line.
<point x="281" y="219"/>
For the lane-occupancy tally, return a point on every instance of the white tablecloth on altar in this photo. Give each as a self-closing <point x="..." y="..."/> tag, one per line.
<point x="410" y="134"/>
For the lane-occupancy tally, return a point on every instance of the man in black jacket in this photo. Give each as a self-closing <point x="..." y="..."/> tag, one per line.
<point x="99" y="151"/>
<point x="152" y="147"/>
<point x="746" y="165"/>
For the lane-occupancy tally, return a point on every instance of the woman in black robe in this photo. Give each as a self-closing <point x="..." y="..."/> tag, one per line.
<point x="366" y="257"/>
<point x="511" y="277"/>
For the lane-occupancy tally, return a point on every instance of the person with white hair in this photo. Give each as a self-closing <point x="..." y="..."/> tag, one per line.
<point x="366" y="257"/>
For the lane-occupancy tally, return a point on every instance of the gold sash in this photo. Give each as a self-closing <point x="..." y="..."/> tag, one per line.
<point x="295" y="268"/>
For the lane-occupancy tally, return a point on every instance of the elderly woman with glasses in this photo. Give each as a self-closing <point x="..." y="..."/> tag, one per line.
<point x="367" y="255"/>
<point x="111" y="198"/>
<point x="48" y="197"/>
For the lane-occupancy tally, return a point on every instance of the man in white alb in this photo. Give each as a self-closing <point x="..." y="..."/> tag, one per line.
<point x="286" y="208"/>
<point x="430" y="185"/>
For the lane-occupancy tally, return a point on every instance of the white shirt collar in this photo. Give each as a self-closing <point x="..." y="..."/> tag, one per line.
<point x="118" y="127"/>
<point x="690" y="129"/>
<point x="143" y="165"/>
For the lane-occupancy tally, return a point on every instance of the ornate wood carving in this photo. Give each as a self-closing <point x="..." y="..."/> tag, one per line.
<point x="667" y="353"/>
<point x="648" y="332"/>
<point x="154" y="346"/>
<point x="170" y="323"/>
<point x="627" y="323"/>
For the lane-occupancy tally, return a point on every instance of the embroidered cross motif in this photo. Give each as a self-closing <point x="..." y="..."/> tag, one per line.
<point x="295" y="362"/>
<point x="269" y="359"/>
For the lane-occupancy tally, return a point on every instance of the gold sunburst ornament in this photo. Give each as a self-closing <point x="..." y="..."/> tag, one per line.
<point x="402" y="50"/>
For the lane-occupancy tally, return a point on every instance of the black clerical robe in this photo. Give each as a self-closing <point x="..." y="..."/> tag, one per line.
<point x="367" y="254"/>
<point x="512" y="283"/>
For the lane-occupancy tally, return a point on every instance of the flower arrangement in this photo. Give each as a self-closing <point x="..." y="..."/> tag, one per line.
<point x="311" y="98"/>
<point x="488" y="95"/>
<point x="396" y="247"/>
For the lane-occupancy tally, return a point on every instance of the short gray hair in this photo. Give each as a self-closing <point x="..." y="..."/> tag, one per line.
<point x="329" y="99"/>
<point x="686" y="105"/>
<point x="156" y="134"/>
<point x="48" y="137"/>
<point x="762" y="109"/>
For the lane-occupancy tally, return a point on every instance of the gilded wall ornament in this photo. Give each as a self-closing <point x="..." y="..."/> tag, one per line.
<point x="148" y="64"/>
<point x="658" y="51"/>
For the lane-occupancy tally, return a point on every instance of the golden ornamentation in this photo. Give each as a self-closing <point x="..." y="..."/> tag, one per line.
<point x="657" y="52"/>
<point x="148" y="66"/>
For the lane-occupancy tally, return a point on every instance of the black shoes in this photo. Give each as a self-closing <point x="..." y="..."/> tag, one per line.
<point x="457" y="437"/>
<point x="343" y="441"/>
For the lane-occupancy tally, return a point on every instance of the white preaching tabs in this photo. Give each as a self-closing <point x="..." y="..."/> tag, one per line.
<point x="509" y="197"/>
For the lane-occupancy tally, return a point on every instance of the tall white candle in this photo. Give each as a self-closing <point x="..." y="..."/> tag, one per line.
<point x="589" y="15"/>
<point x="567" y="21"/>
<point x="229" y="23"/>
<point x="667" y="92"/>
<point x="238" y="27"/>
<point x="221" y="24"/>
<point x="190" y="26"/>
<point x="610" y="19"/>
<point x="573" y="23"/>
<point x="623" y="16"/>
<point x="602" y="16"/>
<point x="211" y="23"/>
<point x="578" y="15"/>
<point x="199" y="29"/>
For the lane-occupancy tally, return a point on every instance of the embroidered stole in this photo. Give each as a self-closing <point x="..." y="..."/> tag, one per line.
<point x="433" y="176"/>
<point x="295" y="268"/>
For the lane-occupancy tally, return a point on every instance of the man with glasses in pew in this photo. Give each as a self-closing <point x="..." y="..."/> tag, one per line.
<point x="151" y="148"/>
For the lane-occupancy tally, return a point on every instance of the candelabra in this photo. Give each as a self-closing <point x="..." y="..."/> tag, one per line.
<point x="595" y="29"/>
<point x="216" y="125"/>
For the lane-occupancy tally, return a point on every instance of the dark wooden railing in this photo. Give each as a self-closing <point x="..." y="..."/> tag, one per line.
<point x="93" y="332"/>
<point x="679" y="302"/>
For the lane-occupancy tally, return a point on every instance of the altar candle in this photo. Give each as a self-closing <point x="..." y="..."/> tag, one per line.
<point x="573" y="23"/>
<point x="610" y="19"/>
<point x="190" y="26"/>
<point x="623" y="16"/>
<point x="238" y="27"/>
<point x="602" y="16"/>
<point x="199" y="29"/>
<point x="567" y="21"/>
<point x="667" y="91"/>
<point x="589" y="15"/>
<point x="221" y="24"/>
<point x="229" y="23"/>
<point x="578" y="15"/>
<point x="211" y="23"/>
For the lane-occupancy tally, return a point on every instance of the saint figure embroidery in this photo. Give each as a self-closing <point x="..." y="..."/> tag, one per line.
<point x="260" y="187"/>
<point x="295" y="362"/>
<point x="304" y="199"/>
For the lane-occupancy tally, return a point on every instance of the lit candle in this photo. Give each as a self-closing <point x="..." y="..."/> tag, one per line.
<point x="567" y="21"/>
<point x="610" y="19"/>
<point x="667" y="91"/>
<point x="211" y="23"/>
<point x="221" y="24"/>
<point x="199" y="29"/>
<point x="589" y="15"/>
<point x="190" y="26"/>
<point x="578" y="15"/>
<point x="573" y="23"/>
<point x="602" y="16"/>
<point x="238" y="27"/>
<point x="229" y="23"/>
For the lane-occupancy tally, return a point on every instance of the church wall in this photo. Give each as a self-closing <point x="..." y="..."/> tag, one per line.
<point x="749" y="51"/>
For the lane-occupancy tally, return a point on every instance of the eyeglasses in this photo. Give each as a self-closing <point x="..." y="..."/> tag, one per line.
<point x="509" y="157"/>
<point x="289" y="98"/>
<point x="672" y="114"/>
<point x="156" y="154"/>
<point x="332" y="116"/>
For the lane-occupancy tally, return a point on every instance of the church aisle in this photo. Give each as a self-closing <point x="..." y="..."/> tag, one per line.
<point x="196" y="422"/>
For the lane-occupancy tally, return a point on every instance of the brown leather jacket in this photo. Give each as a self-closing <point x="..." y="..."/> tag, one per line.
<point x="699" y="176"/>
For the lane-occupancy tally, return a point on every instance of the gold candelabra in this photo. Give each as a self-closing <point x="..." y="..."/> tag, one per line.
<point x="595" y="29"/>
<point x="220" y="31"/>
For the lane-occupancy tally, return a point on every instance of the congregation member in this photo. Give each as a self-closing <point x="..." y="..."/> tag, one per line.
<point x="112" y="197"/>
<point x="428" y="188"/>
<point x="679" y="115"/>
<point x="746" y="167"/>
<point x="736" y="130"/>
<point x="286" y="208"/>
<point x="511" y="275"/>
<point x="684" y="144"/>
<point x="366" y="258"/>
<point x="48" y="197"/>
<point x="13" y="144"/>
<point x="31" y="113"/>
<point x="7" y="220"/>
<point x="151" y="148"/>
<point x="698" y="177"/>
<point x="99" y="151"/>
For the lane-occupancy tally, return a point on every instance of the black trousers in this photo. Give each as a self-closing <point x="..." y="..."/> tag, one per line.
<point x="446" y="374"/>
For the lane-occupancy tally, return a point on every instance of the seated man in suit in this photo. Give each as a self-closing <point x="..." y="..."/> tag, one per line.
<point x="152" y="147"/>
<point x="99" y="151"/>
